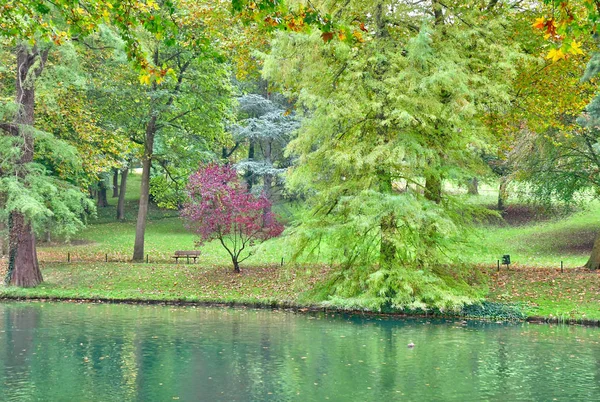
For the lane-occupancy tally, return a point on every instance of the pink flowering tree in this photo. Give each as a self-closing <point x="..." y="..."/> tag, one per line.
<point x="220" y="207"/>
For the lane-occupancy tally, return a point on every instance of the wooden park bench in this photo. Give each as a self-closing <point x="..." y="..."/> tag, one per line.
<point x="186" y="254"/>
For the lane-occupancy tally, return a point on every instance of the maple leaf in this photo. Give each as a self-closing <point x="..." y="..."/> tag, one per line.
<point x="575" y="48"/>
<point x="539" y="23"/>
<point x="145" y="79"/>
<point x="555" y="55"/>
<point x="327" y="36"/>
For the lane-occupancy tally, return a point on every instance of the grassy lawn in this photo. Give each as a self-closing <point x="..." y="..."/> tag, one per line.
<point x="169" y="282"/>
<point x="536" y="245"/>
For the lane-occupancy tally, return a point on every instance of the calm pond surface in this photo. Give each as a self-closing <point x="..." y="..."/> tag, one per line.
<point x="81" y="352"/>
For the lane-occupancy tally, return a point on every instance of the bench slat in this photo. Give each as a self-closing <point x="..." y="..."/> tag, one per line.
<point x="186" y="253"/>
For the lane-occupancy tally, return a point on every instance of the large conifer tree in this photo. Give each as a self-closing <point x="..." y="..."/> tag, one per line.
<point x="388" y="121"/>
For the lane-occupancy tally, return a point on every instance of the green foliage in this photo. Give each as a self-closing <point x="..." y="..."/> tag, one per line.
<point x="494" y="310"/>
<point x="46" y="200"/>
<point x="386" y="121"/>
<point x="165" y="195"/>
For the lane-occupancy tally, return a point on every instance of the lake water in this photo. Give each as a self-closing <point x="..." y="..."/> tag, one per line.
<point x="84" y="352"/>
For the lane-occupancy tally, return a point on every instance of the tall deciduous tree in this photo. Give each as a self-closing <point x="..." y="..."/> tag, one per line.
<point x="564" y="157"/>
<point x="30" y="28"/>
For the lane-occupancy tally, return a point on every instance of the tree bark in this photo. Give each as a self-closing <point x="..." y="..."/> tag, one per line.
<point x="502" y="193"/>
<point x="236" y="266"/>
<point x="3" y="240"/>
<point x="433" y="188"/>
<point x="140" y="229"/>
<point x="115" y="185"/>
<point x="122" y="190"/>
<point x="387" y="248"/>
<point x="23" y="267"/>
<point x="102" y="200"/>
<point x="593" y="262"/>
<point x="248" y="176"/>
<point x="268" y="185"/>
<point x="473" y="186"/>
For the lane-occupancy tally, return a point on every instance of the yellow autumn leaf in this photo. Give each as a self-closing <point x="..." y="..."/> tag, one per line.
<point x="555" y="55"/>
<point x="575" y="48"/>
<point x="358" y="36"/>
<point x="145" y="79"/>
<point x="539" y="23"/>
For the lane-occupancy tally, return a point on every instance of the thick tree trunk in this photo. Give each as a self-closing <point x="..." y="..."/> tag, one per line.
<point x="594" y="260"/>
<point x="23" y="267"/>
<point x="102" y="200"/>
<point x="502" y="193"/>
<point x="433" y="188"/>
<point x="122" y="190"/>
<point x="473" y="186"/>
<point x="140" y="229"/>
<point x="115" y="185"/>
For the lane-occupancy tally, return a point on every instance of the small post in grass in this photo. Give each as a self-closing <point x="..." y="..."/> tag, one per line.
<point x="106" y="257"/>
<point x="506" y="260"/>
<point x="561" y="267"/>
<point x="498" y="265"/>
<point x="68" y="257"/>
<point x="146" y="258"/>
<point x="282" y="261"/>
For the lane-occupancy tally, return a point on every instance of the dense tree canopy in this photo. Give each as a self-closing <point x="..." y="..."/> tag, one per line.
<point x="387" y="122"/>
<point x="374" y="113"/>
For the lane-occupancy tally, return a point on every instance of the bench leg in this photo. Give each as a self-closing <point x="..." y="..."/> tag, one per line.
<point x="176" y="260"/>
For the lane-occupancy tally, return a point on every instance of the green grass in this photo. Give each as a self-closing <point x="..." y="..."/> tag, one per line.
<point x="169" y="282"/>
<point x="536" y="247"/>
<point x="540" y="243"/>
<point x="573" y="294"/>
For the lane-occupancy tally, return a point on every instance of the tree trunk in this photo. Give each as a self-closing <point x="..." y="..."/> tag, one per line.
<point x="3" y="240"/>
<point x="236" y="266"/>
<point x="502" y="193"/>
<point x="122" y="190"/>
<point x="23" y="267"/>
<point x="115" y="185"/>
<point x="387" y="248"/>
<point x="102" y="200"/>
<point x="433" y="188"/>
<point x="267" y="186"/>
<point x="594" y="260"/>
<point x="140" y="229"/>
<point x="249" y="176"/>
<point x="473" y="186"/>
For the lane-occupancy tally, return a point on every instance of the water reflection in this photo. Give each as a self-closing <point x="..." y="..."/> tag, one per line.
<point x="114" y="352"/>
